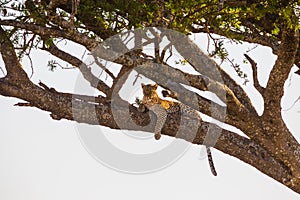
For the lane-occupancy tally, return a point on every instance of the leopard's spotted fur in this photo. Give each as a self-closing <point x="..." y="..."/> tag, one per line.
<point x="162" y="107"/>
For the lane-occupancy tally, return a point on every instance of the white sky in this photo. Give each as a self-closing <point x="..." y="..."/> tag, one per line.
<point x="45" y="159"/>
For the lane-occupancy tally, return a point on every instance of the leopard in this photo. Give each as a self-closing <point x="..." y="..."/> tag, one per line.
<point x="162" y="108"/>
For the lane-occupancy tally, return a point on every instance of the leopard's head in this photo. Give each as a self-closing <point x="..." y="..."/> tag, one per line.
<point x="149" y="89"/>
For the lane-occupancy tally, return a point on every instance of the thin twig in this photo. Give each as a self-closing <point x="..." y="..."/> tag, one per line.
<point x="255" y="78"/>
<point x="83" y="54"/>
<point x="2" y="71"/>
<point x="163" y="53"/>
<point x="31" y="64"/>
<point x="24" y="104"/>
<point x="292" y="105"/>
<point x="208" y="42"/>
<point x="171" y="53"/>
<point x="157" y="41"/>
<point x="103" y="67"/>
<point x="136" y="78"/>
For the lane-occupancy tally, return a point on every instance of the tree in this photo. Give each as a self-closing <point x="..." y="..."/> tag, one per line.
<point x="38" y="25"/>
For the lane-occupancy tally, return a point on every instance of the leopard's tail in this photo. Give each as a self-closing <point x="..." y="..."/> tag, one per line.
<point x="210" y="161"/>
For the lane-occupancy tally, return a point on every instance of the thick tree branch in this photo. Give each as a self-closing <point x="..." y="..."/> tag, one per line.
<point x="61" y="107"/>
<point x="279" y="74"/>
<point x="281" y="143"/>
<point x="12" y="64"/>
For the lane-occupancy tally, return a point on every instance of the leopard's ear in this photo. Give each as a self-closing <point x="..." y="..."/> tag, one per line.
<point x="156" y="85"/>
<point x="143" y="84"/>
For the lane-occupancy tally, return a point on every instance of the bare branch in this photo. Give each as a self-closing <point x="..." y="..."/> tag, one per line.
<point x="31" y="64"/>
<point x="163" y="53"/>
<point x="86" y="72"/>
<point x="254" y="70"/>
<point x="103" y="67"/>
<point x="2" y="70"/>
<point x="296" y="101"/>
<point x="23" y="104"/>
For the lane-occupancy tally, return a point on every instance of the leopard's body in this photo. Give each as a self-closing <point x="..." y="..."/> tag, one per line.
<point x="162" y="108"/>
